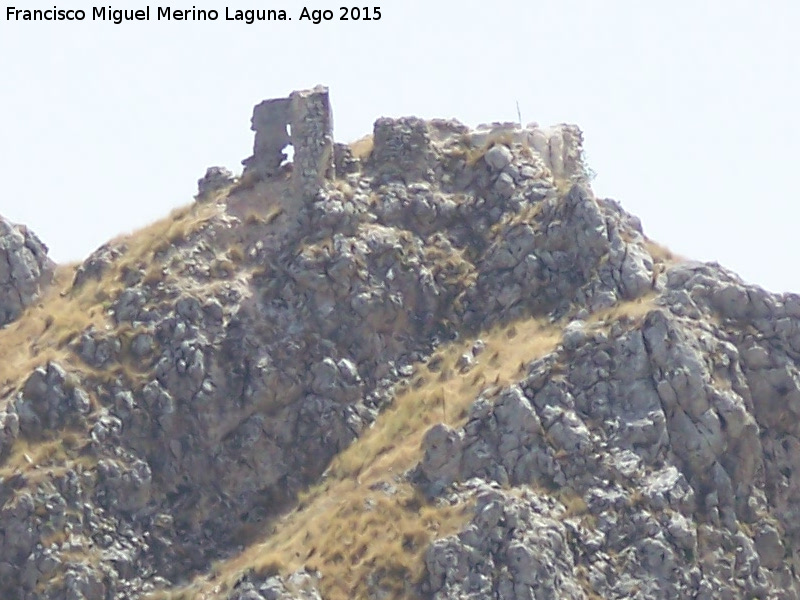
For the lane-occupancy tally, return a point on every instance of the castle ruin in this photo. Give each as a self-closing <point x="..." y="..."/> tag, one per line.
<point x="303" y="121"/>
<point x="404" y="149"/>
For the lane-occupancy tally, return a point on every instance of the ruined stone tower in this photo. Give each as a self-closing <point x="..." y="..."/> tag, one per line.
<point x="303" y="120"/>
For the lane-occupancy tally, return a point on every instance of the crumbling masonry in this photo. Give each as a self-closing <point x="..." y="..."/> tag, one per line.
<point x="303" y="120"/>
<point x="405" y="149"/>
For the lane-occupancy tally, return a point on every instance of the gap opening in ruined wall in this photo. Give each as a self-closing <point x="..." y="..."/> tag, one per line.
<point x="288" y="149"/>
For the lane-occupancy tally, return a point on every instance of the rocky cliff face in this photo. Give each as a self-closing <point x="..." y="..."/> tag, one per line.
<point x="24" y="269"/>
<point x="453" y="373"/>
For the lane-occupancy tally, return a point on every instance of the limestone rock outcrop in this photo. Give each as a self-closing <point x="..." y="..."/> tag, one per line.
<point x="25" y="269"/>
<point x="215" y="179"/>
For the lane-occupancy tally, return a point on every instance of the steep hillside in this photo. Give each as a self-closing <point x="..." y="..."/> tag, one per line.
<point x="429" y="365"/>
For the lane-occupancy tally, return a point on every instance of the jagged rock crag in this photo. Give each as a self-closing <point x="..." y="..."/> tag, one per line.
<point x="25" y="269"/>
<point x="652" y="454"/>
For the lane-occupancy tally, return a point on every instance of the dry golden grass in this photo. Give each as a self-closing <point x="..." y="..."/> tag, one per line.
<point x="350" y="534"/>
<point x="57" y="538"/>
<point x="345" y="188"/>
<point x="637" y="498"/>
<point x="563" y="185"/>
<point x="25" y="455"/>
<point x="632" y="311"/>
<point x="474" y="155"/>
<point x="574" y="504"/>
<point x="43" y="330"/>
<point x="362" y="534"/>
<point x="236" y="254"/>
<point x="660" y="253"/>
<point x="145" y="245"/>
<point x="441" y="394"/>
<point x="349" y="531"/>
<point x="45" y="459"/>
<point x="362" y="147"/>
<point x="263" y="215"/>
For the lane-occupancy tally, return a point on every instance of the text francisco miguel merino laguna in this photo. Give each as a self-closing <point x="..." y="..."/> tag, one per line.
<point x="166" y="13"/>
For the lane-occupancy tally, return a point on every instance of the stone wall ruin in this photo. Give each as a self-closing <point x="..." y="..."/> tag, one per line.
<point x="406" y="149"/>
<point x="302" y="120"/>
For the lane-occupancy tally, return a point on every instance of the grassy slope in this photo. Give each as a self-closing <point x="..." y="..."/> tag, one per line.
<point x="347" y="527"/>
<point x="361" y="538"/>
<point x="44" y="332"/>
<point x="45" y="328"/>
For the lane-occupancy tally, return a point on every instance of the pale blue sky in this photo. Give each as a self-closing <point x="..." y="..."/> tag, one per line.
<point x="690" y="111"/>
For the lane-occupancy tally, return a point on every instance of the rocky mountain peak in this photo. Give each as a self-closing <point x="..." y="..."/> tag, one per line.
<point x="427" y="364"/>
